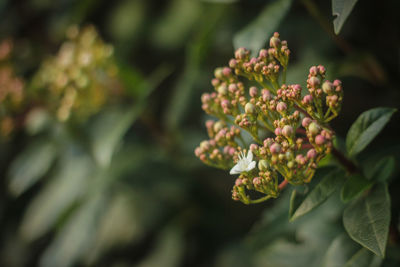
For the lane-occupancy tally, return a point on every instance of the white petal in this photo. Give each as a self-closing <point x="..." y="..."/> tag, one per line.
<point x="235" y="170"/>
<point x="249" y="156"/>
<point x="251" y="166"/>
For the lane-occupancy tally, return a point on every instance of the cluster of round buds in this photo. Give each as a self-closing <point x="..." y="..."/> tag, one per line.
<point x="82" y="77"/>
<point x="324" y="99"/>
<point x="265" y="67"/>
<point x="302" y="137"/>
<point x="220" y="150"/>
<point x="11" y="91"/>
<point x="319" y="137"/>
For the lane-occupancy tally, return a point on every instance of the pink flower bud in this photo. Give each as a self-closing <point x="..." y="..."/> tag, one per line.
<point x="275" y="148"/>
<point x="241" y="53"/>
<point x="253" y="61"/>
<point x="321" y="69"/>
<point x="266" y="95"/>
<point x="232" y="63"/>
<point x="203" y="157"/>
<point x="307" y="99"/>
<point x="257" y="181"/>
<point x="253" y="147"/>
<point x="232" y="88"/>
<point x="253" y="91"/>
<point x="198" y="151"/>
<point x="306" y="121"/>
<point x="313" y="70"/>
<point x="226" y="71"/>
<point x="311" y="154"/>
<point x="337" y="83"/>
<point x="319" y="139"/>
<point x="225" y="103"/>
<point x="278" y="131"/>
<point x="263" y="54"/>
<point x="287" y="130"/>
<point x="314" y="81"/>
<point x="281" y="106"/>
<point x="215" y="82"/>
<point x="238" y="182"/>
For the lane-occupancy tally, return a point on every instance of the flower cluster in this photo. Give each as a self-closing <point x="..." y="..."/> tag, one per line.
<point x="11" y="90"/>
<point x="81" y="78"/>
<point x="289" y="127"/>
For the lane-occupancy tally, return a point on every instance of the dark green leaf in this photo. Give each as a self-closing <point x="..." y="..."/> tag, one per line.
<point x="367" y="219"/>
<point x="255" y="35"/>
<point x="354" y="186"/>
<point x="317" y="195"/>
<point x="366" y="128"/>
<point x="341" y="9"/>
<point x="383" y="169"/>
<point x="30" y="166"/>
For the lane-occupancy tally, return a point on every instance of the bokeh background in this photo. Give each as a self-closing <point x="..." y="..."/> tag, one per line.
<point x="101" y="112"/>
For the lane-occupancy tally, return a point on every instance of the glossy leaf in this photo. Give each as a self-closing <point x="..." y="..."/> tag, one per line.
<point x="317" y="195"/>
<point x="341" y="9"/>
<point x="367" y="219"/>
<point x="366" y="128"/>
<point x="354" y="186"/>
<point x="30" y="166"/>
<point x="255" y="35"/>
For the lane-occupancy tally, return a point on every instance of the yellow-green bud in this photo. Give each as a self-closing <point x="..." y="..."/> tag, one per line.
<point x="263" y="165"/>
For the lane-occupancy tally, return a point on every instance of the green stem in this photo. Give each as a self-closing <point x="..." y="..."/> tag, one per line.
<point x="255" y="201"/>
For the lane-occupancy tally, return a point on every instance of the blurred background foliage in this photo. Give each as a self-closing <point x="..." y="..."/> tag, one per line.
<point x="111" y="179"/>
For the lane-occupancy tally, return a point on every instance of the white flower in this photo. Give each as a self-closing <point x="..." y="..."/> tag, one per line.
<point x="244" y="163"/>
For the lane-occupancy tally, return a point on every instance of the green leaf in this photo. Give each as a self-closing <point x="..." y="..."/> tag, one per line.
<point x="340" y="250"/>
<point x="383" y="169"/>
<point x="69" y="183"/>
<point x="354" y="186"/>
<point x="190" y="80"/>
<point x="366" y="128"/>
<point x="30" y="166"/>
<point x="317" y="195"/>
<point x="367" y="219"/>
<point x="363" y="258"/>
<point x="341" y="9"/>
<point x="77" y="236"/>
<point x="255" y="35"/>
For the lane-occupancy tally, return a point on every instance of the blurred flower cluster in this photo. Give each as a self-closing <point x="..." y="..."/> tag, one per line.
<point x="81" y="78"/>
<point x="269" y="106"/>
<point x="11" y="90"/>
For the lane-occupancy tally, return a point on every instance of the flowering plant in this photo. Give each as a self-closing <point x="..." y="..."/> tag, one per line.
<point x="298" y="118"/>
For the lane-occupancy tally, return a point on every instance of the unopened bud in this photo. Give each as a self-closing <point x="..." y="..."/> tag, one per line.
<point x="314" y="128"/>
<point x="327" y="87"/>
<point x="287" y="130"/>
<point x="263" y="165"/>
<point x="278" y="131"/>
<point x="281" y="106"/>
<point x="241" y="53"/>
<point x="249" y="108"/>
<point x="218" y="73"/>
<point x="226" y="71"/>
<point x="218" y="126"/>
<point x="307" y="99"/>
<point x="275" y="41"/>
<point x="319" y="139"/>
<point x="253" y="91"/>
<point x="275" y="148"/>
<point x="232" y="63"/>
<point x="311" y="154"/>
<point x="223" y="89"/>
<point x="314" y="81"/>
<point x="306" y="121"/>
